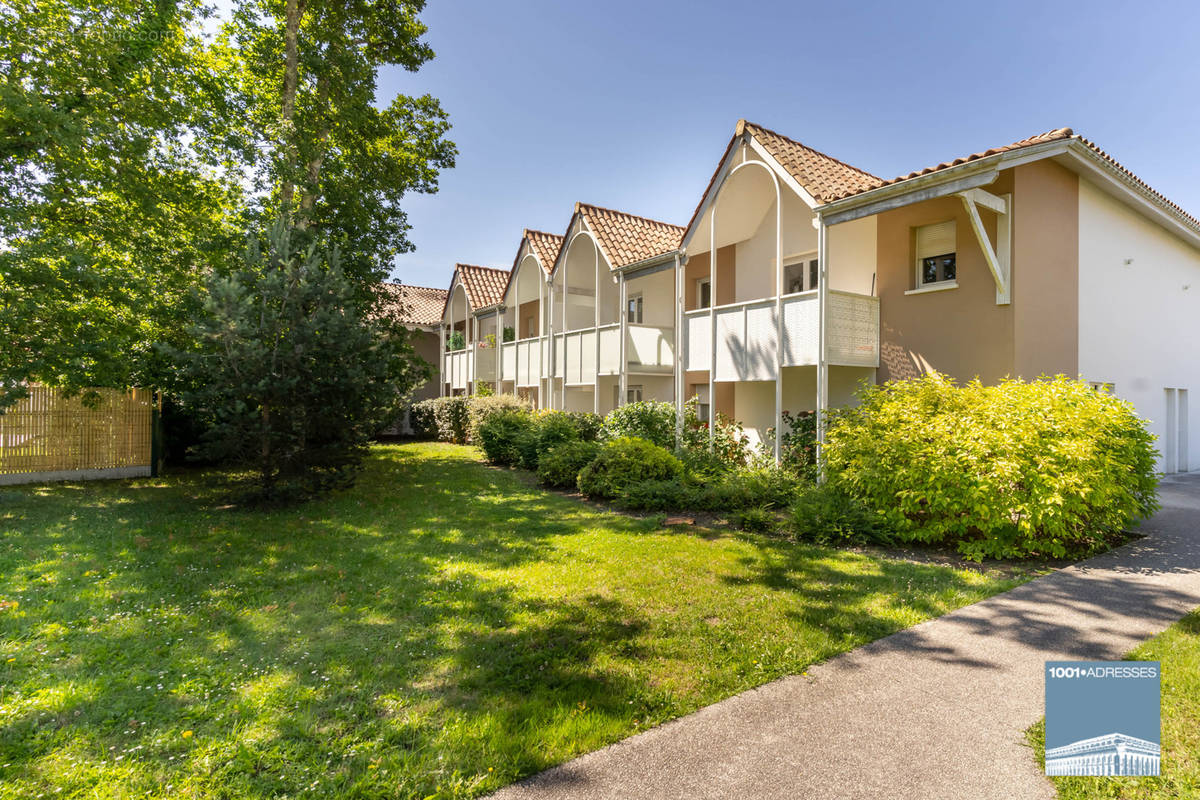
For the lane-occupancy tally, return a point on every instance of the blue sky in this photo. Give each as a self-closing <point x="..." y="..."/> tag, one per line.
<point x="630" y="104"/>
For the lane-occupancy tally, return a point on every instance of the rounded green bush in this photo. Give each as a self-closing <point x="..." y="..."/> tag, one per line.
<point x="651" y="420"/>
<point x="625" y="461"/>
<point x="559" y="466"/>
<point x="826" y="515"/>
<point x="1043" y="468"/>
<point x="502" y="435"/>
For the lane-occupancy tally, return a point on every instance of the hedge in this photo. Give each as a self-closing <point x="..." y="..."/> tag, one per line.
<point x="1043" y="468"/>
<point x="626" y="461"/>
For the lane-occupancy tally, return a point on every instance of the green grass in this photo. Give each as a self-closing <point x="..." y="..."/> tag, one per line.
<point x="1178" y="648"/>
<point x="441" y="630"/>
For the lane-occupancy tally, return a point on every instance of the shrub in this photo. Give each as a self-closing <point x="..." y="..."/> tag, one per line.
<point x="551" y="428"/>
<point x="587" y="424"/>
<point x="1049" y="467"/>
<point x="826" y="515"/>
<point x="502" y="436"/>
<point x="658" y="495"/>
<point x="450" y="418"/>
<point x="625" y="461"/>
<point x="482" y="406"/>
<point x="756" y="520"/>
<point x="798" y="447"/>
<point x="420" y="418"/>
<point x="651" y="420"/>
<point x="560" y="465"/>
<point x="730" y="447"/>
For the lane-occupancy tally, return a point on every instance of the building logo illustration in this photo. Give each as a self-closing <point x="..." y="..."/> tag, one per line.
<point x="1102" y="717"/>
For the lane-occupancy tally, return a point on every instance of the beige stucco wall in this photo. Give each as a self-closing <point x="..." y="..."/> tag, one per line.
<point x="426" y="345"/>
<point x="963" y="332"/>
<point x="697" y="268"/>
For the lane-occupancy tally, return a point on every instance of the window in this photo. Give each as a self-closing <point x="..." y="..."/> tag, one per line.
<point x="633" y="394"/>
<point x="636" y="308"/>
<point x="800" y="274"/>
<point x="703" y="293"/>
<point x="530" y="326"/>
<point x="936" y="247"/>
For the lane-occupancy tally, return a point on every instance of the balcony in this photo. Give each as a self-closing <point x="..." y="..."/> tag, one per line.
<point x="746" y="335"/>
<point x="458" y="368"/>
<point x="523" y="361"/>
<point x="649" y="349"/>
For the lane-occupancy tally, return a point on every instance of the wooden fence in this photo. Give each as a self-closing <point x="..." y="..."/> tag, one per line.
<point x="48" y="436"/>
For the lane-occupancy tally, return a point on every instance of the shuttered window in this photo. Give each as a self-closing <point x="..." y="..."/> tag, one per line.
<point x="936" y="262"/>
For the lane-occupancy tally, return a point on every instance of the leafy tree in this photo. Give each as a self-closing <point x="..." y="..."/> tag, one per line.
<point x="115" y="197"/>
<point x="292" y="373"/>
<point x="329" y="156"/>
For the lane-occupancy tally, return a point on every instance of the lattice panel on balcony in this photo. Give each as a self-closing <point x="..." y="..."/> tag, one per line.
<point x="800" y="331"/>
<point x="853" y="330"/>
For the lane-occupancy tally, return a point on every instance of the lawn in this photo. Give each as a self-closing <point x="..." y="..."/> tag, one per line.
<point x="443" y="629"/>
<point x="1178" y="648"/>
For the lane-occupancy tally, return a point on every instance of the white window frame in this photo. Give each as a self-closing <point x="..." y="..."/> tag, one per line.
<point x="634" y="393"/>
<point x="920" y="285"/>
<point x="807" y="282"/>
<point x="636" y="301"/>
<point x="700" y="284"/>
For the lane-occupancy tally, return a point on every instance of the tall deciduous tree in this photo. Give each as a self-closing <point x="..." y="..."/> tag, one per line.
<point x="116" y="193"/>
<point x="333" y="158"/>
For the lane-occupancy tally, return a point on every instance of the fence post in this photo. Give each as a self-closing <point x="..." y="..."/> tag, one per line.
<point x="155" y="434"/>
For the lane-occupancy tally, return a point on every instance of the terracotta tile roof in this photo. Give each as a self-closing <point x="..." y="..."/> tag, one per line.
<point x="484" y="285"/>
<point x="1048" y="136"/>
<point x="415" y="305"/>
<point x="545" y="246"/>
<point x="1158" y="195"/>
<point x="822" y="176"/>
<point x="627" y="239"/>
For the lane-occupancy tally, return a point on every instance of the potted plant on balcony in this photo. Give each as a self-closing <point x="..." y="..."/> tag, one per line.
<point x="456" y="341"/>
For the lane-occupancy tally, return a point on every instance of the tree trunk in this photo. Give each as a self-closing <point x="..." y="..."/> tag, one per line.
<point x="293" y="10"/>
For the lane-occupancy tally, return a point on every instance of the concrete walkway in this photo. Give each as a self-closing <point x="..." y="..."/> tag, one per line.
<point x="935" y="711"/>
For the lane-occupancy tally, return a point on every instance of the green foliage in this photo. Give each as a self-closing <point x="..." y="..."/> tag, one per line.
<point x="502" y="433"/>
<point x="651" y="420"/>
<point x="624" y="461"/>
<point x="293" y="378"/>
<point x="338" y="152"/>
<point x="725" y="491"/>
<point x="456" y="341"/>
<point x="1044" y="468"/>
<point x="111" y="211"/>
<point x="587" y="425"/>
<point x="449" y="418"/>
<point x="729" y="448"/>
<point x="482" y="406"/>
<point x="674" y="494"/>
<point x="756" y="520"/>
<point x="827" y="515"/>
<point x="510" y="333"/>
<point x="798" y="448"/>
<point x="560" y="465"/>
<point x="421" y="420"/>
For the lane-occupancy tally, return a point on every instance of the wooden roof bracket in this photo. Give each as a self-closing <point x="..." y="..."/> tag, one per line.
<point x="999" y="258"/>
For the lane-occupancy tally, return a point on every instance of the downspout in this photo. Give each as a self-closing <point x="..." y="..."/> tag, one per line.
<point x="596" y="324"/>
<point x="712" y="323"/>
<point x="623" y="347"/>
<point x="778" y="323"/>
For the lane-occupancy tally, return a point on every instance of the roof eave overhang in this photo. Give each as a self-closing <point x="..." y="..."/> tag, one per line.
<point x="942" y="183"/>
<point x="1091" y="164"/>
<point x="647" y="263"/>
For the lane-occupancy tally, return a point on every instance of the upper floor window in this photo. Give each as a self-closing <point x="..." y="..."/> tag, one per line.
<point x="703" y="293"/>
<point x="636" y="308"/>
<point x="800" y="274"/>
<point x="936" y="246"/>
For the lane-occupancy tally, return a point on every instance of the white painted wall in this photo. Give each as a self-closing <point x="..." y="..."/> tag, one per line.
<point x="658" y="290"/>
<point x="754" y="401"/>
<point x="756" y="255"/>
<point x="1139" y="322"/>
<point x="852" y="255"/>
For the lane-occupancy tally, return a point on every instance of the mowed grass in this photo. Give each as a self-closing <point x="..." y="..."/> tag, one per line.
<point x="441" y="630"/>
<point x="1178" y="648"/>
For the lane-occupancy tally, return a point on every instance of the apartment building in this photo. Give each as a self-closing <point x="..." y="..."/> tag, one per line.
<point x="799" y="277"/>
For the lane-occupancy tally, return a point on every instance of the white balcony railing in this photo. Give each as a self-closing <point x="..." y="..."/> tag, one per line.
<point x="524" y="361"/>
<point x="651" y="346"/>
<point x="458" y="368"/>
<point x="746" y="338"/>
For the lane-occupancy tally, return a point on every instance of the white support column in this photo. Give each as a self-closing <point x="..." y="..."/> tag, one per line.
<point x="712" y="322"/>
<point x="822" y="342"/>
<point x="517" y="331"/>
<point x="623" y="357"/>
<point x="499" y="343"/>
<point x="442" y="358"/>
<point x="680" y="359"/>
<point x="596" y="324"/>
<point x="566" y="327"/>
<point x="778" y="324"/>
